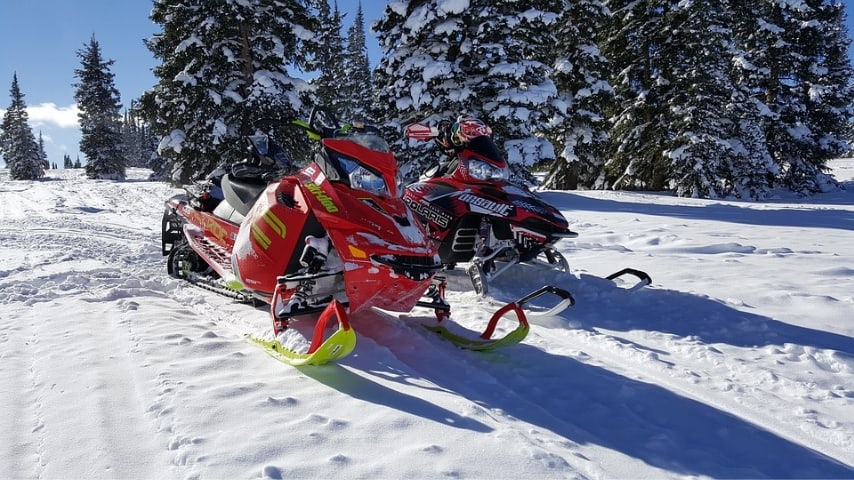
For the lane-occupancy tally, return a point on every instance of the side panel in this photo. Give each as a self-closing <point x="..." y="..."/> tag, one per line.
<point x="213" y="228"/>
<point x="270" y="238"/>
<point x="436" y="204"/>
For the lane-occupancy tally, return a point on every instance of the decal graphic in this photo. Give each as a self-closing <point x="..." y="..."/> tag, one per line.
<point x="429" y="212"/>
<point x="260" y="237"/>
<point x="488" y="205"/>
<point x="539" y="209"/>
<point x="322" y="197"/>
<point x="275" y="223"/>
<point x="272" y="221"/>
<point x="212" y="227"/>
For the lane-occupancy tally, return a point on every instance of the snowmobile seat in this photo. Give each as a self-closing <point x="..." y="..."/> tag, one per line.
<point x="241" y="193"/>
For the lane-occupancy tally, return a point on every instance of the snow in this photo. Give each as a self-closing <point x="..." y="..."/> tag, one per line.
<point x="453" y="6"/>
<point x="736" y="362"/>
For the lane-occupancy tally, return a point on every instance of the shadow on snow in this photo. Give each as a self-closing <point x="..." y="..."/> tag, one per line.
<point x="588" y="404"/>
<point x="784" y="217"/>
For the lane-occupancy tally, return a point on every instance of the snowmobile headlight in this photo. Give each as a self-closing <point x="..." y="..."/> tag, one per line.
<point x="486" y="171"/>
<point x="363" y="179"/>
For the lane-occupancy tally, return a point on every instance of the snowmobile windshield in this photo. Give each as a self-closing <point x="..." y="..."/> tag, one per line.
<point x="269" y="152"/>
<point x="485" y="147"/>
<point x="370" y="140"/>
<point x="484" y="162"/>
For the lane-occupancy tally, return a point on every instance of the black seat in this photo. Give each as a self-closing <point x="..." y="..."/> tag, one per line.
<point x="242" y="193"/>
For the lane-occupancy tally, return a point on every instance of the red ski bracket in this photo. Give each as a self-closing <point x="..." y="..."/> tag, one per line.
<point x="322" y="350"/>
<point x="515" y="307"/>
<point x="334" y="309"/>
<point x="485" y="340"/>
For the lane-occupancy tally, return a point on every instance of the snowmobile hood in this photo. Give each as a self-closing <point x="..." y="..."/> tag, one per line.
<point x="350" y="210"/>
<point x="449" y="198"/>
<point x="371" y="152"/>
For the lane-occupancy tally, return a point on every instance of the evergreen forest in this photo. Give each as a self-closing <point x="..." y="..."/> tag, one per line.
<point x="723" y="99"/>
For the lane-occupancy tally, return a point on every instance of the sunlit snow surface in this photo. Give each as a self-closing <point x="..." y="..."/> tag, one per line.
<point x="737" y="362"/>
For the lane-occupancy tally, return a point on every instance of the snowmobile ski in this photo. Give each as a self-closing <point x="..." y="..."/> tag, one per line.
<point x="321" y="351"/>
<point x="643" y="278"/>
<point x="485" y="342"/>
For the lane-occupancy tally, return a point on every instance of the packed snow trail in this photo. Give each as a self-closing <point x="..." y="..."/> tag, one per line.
<point x="112" y="369"/>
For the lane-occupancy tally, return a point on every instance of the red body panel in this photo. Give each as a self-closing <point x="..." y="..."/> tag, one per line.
<point x="452" y="206"/>
<point x="212" y="227"/>
<point x="270" y="239"/>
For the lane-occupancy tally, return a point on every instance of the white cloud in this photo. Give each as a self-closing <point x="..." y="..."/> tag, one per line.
<point x="63" y="117"/>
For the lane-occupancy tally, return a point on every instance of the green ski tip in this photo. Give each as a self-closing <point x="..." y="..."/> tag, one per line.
<point x="480" y="344"/>
<point x="334" y="348"/>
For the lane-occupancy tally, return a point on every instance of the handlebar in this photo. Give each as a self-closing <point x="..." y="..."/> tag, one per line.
<point x="322" y="123"/>
<point x="421" y="132"/>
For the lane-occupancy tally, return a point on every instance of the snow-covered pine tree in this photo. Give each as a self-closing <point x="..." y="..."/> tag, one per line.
<point x="635" y="33"/>
<point x="224" y="65"/>
<point x="329" y="60"/>
<point x="755" y="171"/>
<point x="442" y="58"/>
<point x="43" y="161"/>
<point x="509" y="73"/>
<point x="100" y="121"/>
<point x="419" y="76"/>
<point x="356" y="89"/>
<point x="801" y="76"/>
<point x="580" y="127"/>
<point x="139" y="143"/>
<point x="129" y="137"/>
<point x="829" y="84"/>
<point x="17" y="143"/>
<point x="706" y="156"/>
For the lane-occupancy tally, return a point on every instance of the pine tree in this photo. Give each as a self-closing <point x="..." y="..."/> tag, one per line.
<point x="139" y="143"/>
<point x="66" y="161"/>
<point x="682" y="120"/>
<point x="800" y="75"/>
<point x="472" y="59"/>
<point x="420" y="75"/>
<point x="43" y="161"/>
<point x="356" y="87"/>
<point x="708" y="115"/>
<point x="223" y="65"/>
<point x="329" y="60"/>
<point x="17" y="143"/>
<point x="580" y="127"/>
<point x="634" y="37"/>
<point x="512" y="78"/>
<point x="757" y="171"/>
<point x="827" y="76"/>
<point x="99" y="104"/>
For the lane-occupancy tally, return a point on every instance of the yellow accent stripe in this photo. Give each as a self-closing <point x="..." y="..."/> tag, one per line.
<point x="276" y="224"/>
<point x="260" y="237"/>
<point x="357" y="252"/>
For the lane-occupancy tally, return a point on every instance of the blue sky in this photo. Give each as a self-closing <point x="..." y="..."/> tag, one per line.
<point x="39" y="40"/>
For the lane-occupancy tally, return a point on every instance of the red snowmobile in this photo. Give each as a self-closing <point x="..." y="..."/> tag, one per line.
<point x="475" y="215"/>
<point x="333" y="238"/>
